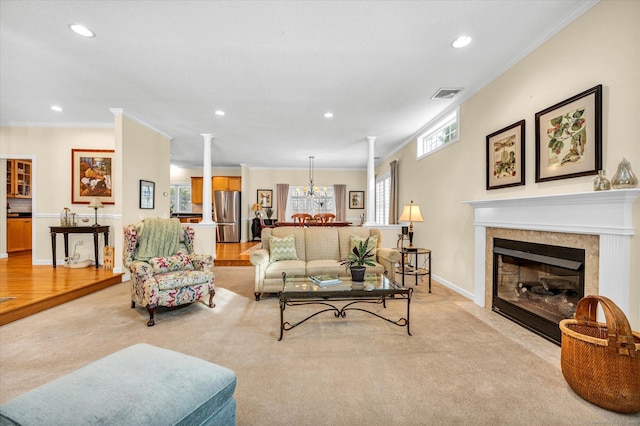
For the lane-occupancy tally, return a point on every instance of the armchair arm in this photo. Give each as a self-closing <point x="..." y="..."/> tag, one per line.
<point x="259" y="258"/>
<point x="201" y="262"/>
<point x="144" y="287"/>
<point x="388" y="258"/>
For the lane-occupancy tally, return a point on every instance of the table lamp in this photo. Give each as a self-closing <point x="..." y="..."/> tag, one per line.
<point x="96" y="204"/>
<point x="411" y="213"/>
<point x="257" y="208"/>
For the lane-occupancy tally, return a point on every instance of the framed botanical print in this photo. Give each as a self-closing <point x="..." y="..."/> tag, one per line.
<point x="356" y="199"/>
<point x="569" y="137"/>
<point x="92" y="175"/>
<point x="265" y="198"/>
<point x="506" y="156"/>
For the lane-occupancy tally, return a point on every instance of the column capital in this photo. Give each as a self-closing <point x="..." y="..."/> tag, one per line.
<point x="206" y="136"/>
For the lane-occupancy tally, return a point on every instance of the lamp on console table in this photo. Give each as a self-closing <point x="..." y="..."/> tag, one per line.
<point x="96" y="204"/>
<point x="257" y="208"/>
<point x="411" y="213"/>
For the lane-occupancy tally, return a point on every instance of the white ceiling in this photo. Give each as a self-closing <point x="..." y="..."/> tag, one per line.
<point x="274" y="67"/>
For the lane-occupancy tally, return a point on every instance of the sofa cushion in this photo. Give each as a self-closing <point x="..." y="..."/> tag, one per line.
<point x="283" y="231"/>
<point x="282" y="248"/>
<point x="177" y="279"/>
<point x="373" y="243"/>
<point x="327" y="266"/>
<point x="177" y="262"/>
<point x="291" y="267"/>
<point x="321" y="243"/>
<point x="345" y="233"/>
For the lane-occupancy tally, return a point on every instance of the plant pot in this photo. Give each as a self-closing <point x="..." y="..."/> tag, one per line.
<point x="357" y="273"/>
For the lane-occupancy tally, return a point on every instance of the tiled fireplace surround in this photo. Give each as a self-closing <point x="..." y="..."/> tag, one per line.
<point x="599" y="222"/>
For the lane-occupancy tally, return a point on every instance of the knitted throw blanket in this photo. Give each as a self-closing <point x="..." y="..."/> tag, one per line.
<point x="159" y="238"/>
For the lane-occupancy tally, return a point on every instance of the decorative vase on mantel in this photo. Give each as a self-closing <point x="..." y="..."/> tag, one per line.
<point x="600" y="182"/>
<point x="624" y="177"/>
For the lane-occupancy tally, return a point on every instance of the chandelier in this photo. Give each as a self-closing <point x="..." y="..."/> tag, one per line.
<point x="312" y="190"/>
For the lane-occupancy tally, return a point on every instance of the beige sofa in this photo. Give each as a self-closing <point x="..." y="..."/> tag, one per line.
<point x="319" y="250"/>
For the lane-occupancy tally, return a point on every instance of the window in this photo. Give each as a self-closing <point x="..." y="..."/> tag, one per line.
<point x="383" y="192"/>
<point x="437" y="136"/>
<point x="323" y="202"/>
<point x="180" y="198"/>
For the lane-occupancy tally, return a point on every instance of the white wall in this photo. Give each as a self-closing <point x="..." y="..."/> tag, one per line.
<point x="600" y="47"/>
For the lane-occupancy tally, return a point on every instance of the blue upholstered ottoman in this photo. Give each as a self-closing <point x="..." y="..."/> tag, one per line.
<point x="139" y="385"/>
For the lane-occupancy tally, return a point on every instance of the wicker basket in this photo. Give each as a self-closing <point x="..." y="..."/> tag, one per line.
<point x="601" y="362"/>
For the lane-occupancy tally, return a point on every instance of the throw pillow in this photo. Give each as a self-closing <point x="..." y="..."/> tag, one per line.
<point x="282" y="248"/>
<point x="373" y="243"/>
<point x="178" y="262"/>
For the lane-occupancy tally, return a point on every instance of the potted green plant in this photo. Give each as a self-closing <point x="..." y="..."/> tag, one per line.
<point x="360" y="257"/>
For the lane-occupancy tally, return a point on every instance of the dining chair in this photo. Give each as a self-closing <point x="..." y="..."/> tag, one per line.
<point x="301" y="219"/>
<point x="325" y="219"/>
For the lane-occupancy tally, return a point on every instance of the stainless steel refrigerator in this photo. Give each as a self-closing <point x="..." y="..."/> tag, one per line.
<point x="226" y="213"/>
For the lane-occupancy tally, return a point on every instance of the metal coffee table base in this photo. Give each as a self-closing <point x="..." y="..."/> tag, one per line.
<point x="293" y="299"/>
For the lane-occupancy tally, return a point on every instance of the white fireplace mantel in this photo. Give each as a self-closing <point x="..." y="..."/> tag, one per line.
<point x="607" y="214"/>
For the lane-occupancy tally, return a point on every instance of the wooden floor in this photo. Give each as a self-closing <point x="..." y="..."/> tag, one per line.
<point x="26" y="289"/>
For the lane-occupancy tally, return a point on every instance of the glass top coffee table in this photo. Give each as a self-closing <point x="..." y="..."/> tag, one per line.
<point x="376" y="289"/>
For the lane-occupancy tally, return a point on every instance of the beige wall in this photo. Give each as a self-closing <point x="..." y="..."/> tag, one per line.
<point x="600" y="47"/>
<point x="140" y="153"/>
<point x="50" y="150"/>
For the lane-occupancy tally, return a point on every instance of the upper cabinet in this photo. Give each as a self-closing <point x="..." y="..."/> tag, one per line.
<point x="19" y="179"/>
<point x="218" y="183"/>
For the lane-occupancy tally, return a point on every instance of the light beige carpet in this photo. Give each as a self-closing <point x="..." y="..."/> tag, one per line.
<point x="463" y="365"/>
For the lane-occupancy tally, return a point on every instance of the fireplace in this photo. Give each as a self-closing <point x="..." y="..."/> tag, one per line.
<point x="601" y="222"/>
<point x="537" y="285"/>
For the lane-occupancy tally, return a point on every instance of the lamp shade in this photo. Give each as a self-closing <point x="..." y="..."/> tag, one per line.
<point x="411" y="213"/>
<point x="96" y="203"/>
<point x="256" y="206"/>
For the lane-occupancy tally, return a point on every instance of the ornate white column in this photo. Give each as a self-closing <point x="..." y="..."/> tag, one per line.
<point x="371" y="185"/>
<point x="206" y="179"/>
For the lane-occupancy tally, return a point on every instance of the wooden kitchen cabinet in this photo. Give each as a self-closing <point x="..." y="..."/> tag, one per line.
<point x="19" y="178"/>
<point x="18" y="234"/>
<point x="218" y="183"/>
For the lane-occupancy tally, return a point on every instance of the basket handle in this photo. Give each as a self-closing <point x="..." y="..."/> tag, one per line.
<point x="619" y="334"/>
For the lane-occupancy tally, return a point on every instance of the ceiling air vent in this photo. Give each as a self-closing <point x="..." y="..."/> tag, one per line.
<point x="446" y="93"/>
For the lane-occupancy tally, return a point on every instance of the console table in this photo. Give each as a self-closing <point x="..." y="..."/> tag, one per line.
<point x="66" y="230"/>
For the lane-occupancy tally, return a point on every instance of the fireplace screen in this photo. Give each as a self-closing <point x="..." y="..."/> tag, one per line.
<point x="537" y="285"/>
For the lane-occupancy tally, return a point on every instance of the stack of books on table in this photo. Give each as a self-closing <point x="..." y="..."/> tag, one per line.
<point x="325" y="279"/>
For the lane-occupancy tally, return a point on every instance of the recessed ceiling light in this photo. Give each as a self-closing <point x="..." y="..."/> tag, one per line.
<point x="82" y="30"/>
<point x="220" y="113"/>
<point x="328" y="115"/>
<point x="461" y="41"/>
<point x="56" y="108"/>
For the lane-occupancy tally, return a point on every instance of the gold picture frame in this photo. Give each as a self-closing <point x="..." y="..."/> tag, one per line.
<point x="92" y="175"/>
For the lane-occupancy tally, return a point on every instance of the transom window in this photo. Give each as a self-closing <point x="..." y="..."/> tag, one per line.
<point x="439" y="135"/>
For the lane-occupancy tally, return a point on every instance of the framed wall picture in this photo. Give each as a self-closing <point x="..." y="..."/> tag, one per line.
<point x="265" y="198"/>
<point x="506" y="157"/>
<point x="569" y="137"/>
<point x="91" y="175"/>
<point x="147" y="194"/>
<point x="356" y="199"/>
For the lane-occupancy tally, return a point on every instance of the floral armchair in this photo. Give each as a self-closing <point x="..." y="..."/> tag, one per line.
<point x="168" y="280"/>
